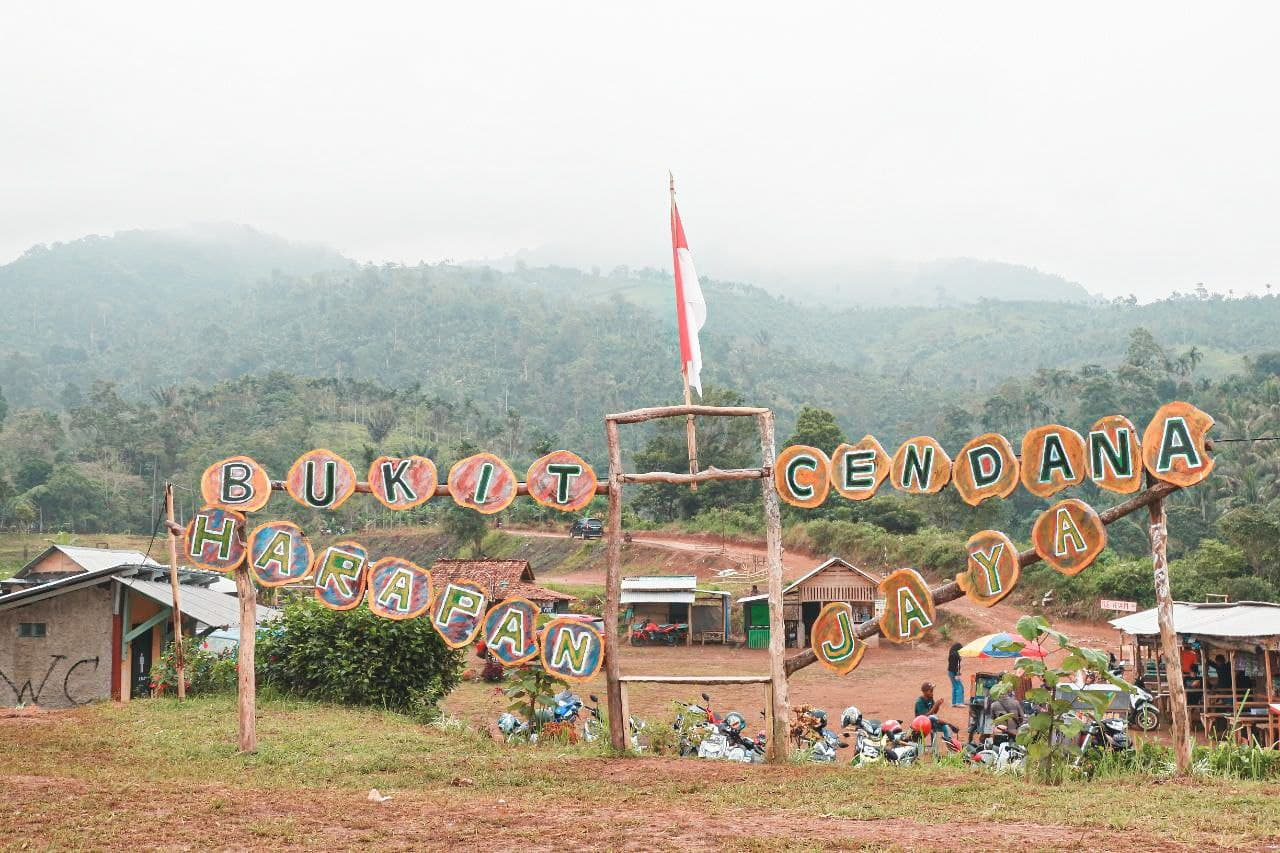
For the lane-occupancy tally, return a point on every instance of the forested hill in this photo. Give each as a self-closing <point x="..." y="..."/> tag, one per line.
<point x="148" y="310"/>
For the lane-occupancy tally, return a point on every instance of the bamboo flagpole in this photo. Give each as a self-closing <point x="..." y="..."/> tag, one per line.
<point x="171" y="527"/>
<point x="691" y="313"/>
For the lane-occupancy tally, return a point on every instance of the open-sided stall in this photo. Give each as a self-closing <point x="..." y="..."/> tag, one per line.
<point x="1230" y="661"/>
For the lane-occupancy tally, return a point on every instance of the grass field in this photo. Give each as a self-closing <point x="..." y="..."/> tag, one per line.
<point x="157" y="773"/>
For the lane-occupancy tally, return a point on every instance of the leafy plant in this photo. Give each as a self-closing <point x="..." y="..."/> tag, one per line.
<point x="357" y="658"/>
<point x="1053" y="728"/>
<point x="205" y="671"/>
<point x="532" y="692"/>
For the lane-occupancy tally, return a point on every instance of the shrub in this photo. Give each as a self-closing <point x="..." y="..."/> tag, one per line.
<point x="206" y="671"/>
<point x="357" y="658"/>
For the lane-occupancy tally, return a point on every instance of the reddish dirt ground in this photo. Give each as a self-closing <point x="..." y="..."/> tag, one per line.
<point x="885" y="684"/>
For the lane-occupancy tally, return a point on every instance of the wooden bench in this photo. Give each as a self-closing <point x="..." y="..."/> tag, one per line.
<point x="714" y="636"/>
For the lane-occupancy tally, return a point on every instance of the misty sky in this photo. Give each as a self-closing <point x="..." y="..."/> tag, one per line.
<point x="1130" y="147"/>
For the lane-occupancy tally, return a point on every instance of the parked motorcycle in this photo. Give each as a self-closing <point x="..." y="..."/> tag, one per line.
<point x="869" y="742"/>
<point x="693" y="723"/>
<point x="651" y="633"/>
<point x="902" y="747"/>
<point x="812" y="736"/>
<point x="565" y="707"/>
<point x="729" y="742"/>
<point x="999" y="751"/>
<point x="593" y="728"/>
<point x="1106" y="734"/>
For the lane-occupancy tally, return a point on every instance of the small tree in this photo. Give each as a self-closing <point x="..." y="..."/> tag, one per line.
<point x="532" y="693"/>
<point x="1052" y="731"/>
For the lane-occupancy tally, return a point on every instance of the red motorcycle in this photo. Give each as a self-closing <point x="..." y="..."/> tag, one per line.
<point x="652" y="633"/>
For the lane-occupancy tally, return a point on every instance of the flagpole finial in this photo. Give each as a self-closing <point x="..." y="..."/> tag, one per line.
<point x="672" y="181"/>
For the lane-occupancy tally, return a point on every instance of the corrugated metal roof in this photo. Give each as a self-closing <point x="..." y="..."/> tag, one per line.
<point x="657" y="596"/>
<point x="215" y="609"/>
<point x="40" y="592"/>
<point x="659" y="582"/>
<point x="94" y="559"/>
<point x="1234" y="619"/>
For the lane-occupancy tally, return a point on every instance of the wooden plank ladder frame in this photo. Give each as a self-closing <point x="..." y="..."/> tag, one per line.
<point x="776" y="681"/>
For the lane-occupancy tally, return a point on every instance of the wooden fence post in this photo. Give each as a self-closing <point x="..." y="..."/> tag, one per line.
<point x="1180" y="727"/>
<point x="179" y="655"/>
<point x="246" y="680"/>
<point x="777" y="631"/>
<point x="613" y="582"/>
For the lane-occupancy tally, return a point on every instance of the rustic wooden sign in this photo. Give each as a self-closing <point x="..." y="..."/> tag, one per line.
<point x="341" y="575"/>
<point x="511" y="631"/>
<point x="1115" y="455"/>
<point x="215" y="539"/>
<point x="571" y="649"/>
<point x="459" y="612"/>
<point x="1069" y="536"/>
<point x="482" y="482"/>
<point x="985" y="468"/>
<point x="857" y="470"/>
<point x="562" y="480"/>
<point x="833" y="640"/>
<point x="801" y="476"/>
<point x="279" y="553"/>
<point x="402" y="483"/>
<point x="992" y="569"/>
<point x="908" y="606"/>
<point x="398" y="589"/>
<point x="236" y="483"/>
<point x="321" y="479"/>
<point x="1053" y="457"/>
<point x="920" y="467"/>
<point x="1173" y="446"/>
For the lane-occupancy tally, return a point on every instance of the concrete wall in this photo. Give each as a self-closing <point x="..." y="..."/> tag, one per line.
<point x="71" y="664"/>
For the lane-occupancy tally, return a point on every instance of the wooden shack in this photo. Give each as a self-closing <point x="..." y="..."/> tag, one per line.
<point x="667" y="599"/>
<point x="804" y="598"/>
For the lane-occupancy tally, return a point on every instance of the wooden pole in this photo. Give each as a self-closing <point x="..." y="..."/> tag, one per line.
<point x="691" y="437"/>
<point x="777" y="710"/>
<point x="179" y="655"/>
<point x="1180" y="729"/>
<point x="613" y="583"/>
<point x="246" y="680"/>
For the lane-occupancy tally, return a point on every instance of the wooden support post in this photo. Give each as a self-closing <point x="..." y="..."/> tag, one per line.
<point x="179" y="656"/>
<point x="777" y="708"/>
<point x="246" y="680"/>
<point x="1179" y="730"/>
<point x="613" y="583"/>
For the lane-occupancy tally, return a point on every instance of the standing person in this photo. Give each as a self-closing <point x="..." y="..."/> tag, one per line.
<point x="953" y="672"/>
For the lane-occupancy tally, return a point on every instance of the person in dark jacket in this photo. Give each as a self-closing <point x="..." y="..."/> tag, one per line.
<point x="953" y="672"/>
<point x="1008" y="706"/>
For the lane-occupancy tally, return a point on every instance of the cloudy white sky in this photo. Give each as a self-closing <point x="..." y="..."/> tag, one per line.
<point x="1131" y="147"/>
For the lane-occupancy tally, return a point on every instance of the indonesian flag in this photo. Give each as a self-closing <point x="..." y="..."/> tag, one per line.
<point x="691" y="308"/>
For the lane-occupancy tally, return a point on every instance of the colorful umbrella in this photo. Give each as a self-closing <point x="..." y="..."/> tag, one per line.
<point x="985" y="647"/>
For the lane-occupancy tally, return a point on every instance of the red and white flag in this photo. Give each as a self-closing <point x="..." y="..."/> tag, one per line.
<point x="691" y="308"/>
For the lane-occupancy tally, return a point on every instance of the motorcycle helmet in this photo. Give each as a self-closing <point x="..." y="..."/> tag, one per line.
<point x="922" y="726"/>
<point x="851" y="717"/>
<point x="735" y="722"/>
<point x="890" y="727"/>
